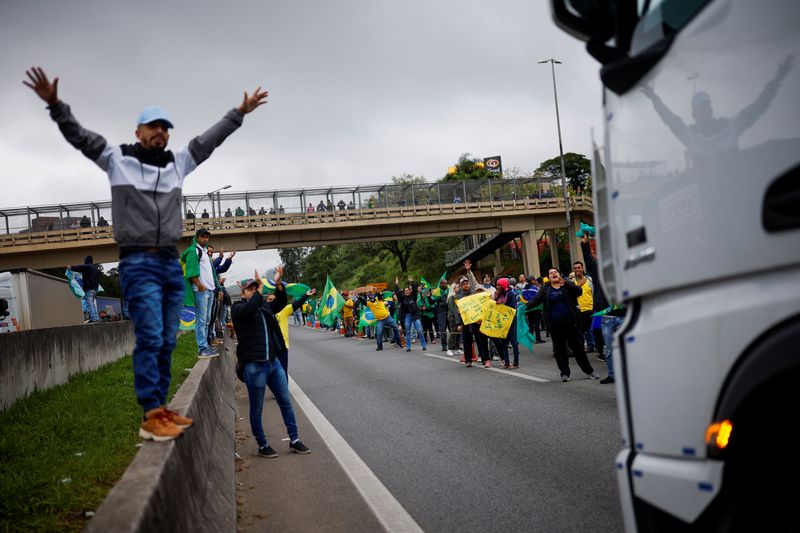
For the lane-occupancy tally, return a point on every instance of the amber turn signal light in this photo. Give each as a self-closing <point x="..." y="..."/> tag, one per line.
<point x="718" y="434"/>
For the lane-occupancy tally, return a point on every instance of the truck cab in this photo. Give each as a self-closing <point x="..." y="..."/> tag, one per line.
<point x="697" y="209"/>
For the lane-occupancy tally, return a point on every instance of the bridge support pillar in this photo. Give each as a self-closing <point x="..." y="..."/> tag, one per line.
<point x="498" y="261"/>
<point x="553" y="249"/>
<point x="530" y="253"/>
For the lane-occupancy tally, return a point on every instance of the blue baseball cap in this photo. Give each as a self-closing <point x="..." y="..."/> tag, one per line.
<point x="153" y="113"/>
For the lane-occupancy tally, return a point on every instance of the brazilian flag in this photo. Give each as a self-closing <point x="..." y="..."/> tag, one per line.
<point x="367" y="318"/>
<point x="437" y="291"/>
<point x="332" y="303"/>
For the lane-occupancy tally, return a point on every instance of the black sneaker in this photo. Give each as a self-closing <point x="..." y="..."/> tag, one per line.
<point x="267" y="451"/>
<point x="379" y="348"/>
<point x="299" y="447"/>
<point x="606" y="381"/>
<point x="601" y="358"/>
<point x="564" y="378"/>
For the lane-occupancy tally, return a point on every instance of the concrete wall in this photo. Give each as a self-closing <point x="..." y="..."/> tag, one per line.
<point x="43" y="358"/>
<point x="187" y="484"/>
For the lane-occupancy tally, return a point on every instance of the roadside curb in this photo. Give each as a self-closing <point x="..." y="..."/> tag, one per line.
<point x="187" y="484"/>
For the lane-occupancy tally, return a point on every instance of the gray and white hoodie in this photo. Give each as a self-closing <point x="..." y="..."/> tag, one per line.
<point x="146" y="185"/>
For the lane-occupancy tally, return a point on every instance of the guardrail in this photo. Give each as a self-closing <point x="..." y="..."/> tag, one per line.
<point x="84" y="215"/>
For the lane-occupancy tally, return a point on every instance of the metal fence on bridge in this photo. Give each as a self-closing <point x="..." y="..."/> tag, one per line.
<point x="91" y="220"/>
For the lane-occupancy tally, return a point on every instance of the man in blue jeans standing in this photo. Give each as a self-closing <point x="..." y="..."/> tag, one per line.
<point x="260" y="342"/>
<point x="200" y="283"/>
<point x="146" y="185"/>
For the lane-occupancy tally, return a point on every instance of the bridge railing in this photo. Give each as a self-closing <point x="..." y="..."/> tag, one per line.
<point x="62" y="223"/>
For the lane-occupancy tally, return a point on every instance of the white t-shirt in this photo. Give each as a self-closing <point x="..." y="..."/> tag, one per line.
<point x="206" y="274"/>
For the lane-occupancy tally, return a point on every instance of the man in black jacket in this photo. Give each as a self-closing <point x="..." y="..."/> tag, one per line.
<point x="409" y="311"/>
<point x="90" y="279"/>
<point x="260" y="342"/>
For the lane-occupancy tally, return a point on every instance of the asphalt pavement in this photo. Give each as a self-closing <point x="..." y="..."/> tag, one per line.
<point x="416" y="440"/>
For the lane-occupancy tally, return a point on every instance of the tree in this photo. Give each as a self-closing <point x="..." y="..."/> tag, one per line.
<point x="469" y="167"/>
<point x="399" y="249"/>
<point x="576" y="166"/>
<point x="408" y="179"/>
<point x="293" y="260"/>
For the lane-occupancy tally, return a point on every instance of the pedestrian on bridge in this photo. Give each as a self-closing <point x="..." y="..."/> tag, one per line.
<point x="146" y="181"/>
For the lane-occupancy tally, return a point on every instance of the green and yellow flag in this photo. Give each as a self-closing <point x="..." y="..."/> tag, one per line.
<point x="332" y="303"/>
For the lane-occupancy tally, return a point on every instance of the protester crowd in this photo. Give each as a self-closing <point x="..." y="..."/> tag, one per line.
<point x="571" y="311"/>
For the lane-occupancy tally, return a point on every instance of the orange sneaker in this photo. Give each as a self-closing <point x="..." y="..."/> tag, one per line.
<point x="182" y="422"/>
<point x="158" y="427"/>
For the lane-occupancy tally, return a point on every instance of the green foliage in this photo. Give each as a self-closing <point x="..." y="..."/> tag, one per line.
<point x="356" y="265"/>
<point x="62" y="450"/>
<point x="293" y="260"/>
<point x="469" y="168"/>
<point x="576" y="166"/>
<point x="408" y="179"/>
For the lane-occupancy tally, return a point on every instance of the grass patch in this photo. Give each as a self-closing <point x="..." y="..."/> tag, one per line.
<point x="62" y="450"/>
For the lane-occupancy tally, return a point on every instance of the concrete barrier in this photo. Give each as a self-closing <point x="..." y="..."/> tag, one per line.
<point x="187" y="484"/>
<point x="39" y="359"/>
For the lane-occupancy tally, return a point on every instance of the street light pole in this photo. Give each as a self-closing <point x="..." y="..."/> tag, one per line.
<point x="210" y="195"/>
<point x="553" y="62"/>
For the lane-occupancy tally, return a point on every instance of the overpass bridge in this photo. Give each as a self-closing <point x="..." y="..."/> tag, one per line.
<point x="61" y="234"/>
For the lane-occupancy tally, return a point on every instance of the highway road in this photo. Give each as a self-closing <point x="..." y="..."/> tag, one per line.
<point x="470" y="449"/>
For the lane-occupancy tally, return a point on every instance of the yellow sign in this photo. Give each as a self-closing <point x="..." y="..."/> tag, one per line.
<point x="473" y="307"/>
<point x="497" y="320"/>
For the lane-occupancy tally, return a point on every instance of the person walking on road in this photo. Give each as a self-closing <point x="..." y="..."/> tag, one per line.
<point x="561" y="314"/>
<point x="409" y="311"/>
<point x="260" y="342"/>
<point x="383" y="319"/>
<point x="90" y="280"/>
<point x="146" y="181"/>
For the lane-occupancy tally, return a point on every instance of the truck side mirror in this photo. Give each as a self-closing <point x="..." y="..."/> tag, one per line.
<point x="587" y="20"/>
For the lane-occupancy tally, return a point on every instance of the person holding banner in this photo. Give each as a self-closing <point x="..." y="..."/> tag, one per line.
<point x="560" y="310"/>
<point x="470" y="332"/>
<point x="506" y="296"/>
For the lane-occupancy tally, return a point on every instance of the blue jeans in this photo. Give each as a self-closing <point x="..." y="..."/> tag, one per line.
<point x="152" y="285"/>
<point x="379" y="327"/>
<point x="258" y="376"/>
<point x="91" y="304"/>
<point x="202" y="313"/>
<point x="608" y="325"/>
<point x="408" y="321"/>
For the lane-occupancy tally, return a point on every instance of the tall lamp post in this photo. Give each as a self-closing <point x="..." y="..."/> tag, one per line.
<point x="553" y="63"/>
<point x="210" y="195"/>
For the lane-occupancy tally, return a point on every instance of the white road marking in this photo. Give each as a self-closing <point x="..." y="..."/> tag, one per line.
<point x="392" y="516"/>
<point x="500" y="370"/>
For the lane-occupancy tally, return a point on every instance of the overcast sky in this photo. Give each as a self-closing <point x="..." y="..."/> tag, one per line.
<point x="360" y="91"/>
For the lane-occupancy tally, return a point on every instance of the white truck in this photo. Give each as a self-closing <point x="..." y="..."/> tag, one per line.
<point x="33" y="300"/>
<point x="697" y="208"/>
